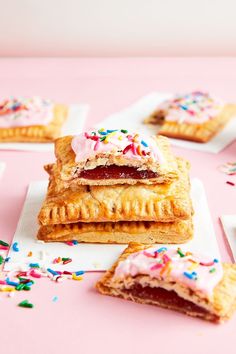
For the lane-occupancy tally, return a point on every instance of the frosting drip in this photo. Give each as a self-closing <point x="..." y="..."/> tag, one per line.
<point x="199" y="273"/>
<point x="115" y="142"/>
<point x="18" y="112"/>
<point x="193" y="108"/>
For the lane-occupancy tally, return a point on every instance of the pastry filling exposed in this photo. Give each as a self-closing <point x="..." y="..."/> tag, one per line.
<point x="168" y="298"/>
<point x="116" y="172"/>
<point x="157" y="117"/>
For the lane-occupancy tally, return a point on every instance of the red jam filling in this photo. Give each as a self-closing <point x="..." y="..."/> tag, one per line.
<point x="116" y="172"/>
<point x="168" y="298"/>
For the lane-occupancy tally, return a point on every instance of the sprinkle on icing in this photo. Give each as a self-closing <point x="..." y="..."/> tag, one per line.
<point x="116" y="142"/>
<point x="15" y="112"/>
<point x="196" y="272"/>
<point x="194" y="108"/>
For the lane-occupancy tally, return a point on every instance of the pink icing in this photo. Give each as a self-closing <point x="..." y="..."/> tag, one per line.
<point x="25" y="112"/>
<point x="193" y="108"/>
<point x="200" y="273"/>
<point x="100" y="142"/>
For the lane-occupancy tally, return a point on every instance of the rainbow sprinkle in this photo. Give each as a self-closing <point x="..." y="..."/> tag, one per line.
<point x="72" y="243"/>
<point x="62" y="260"/>
<point x="3" y="243"/>
<point x="55" y="299"/>
<point x="230" y="183"/>
<point x="15" y="247"/>
<point x="228" y="168"/>
<point x="192" y="276"/>
<point x="34" y="265"/>
<point x="123" y="133"/>
<point x="185" y="268"/>
<point x="193" y="107"/>
<point x="12" y="105"/>
<point x="26" y="304"/>
<point x="180" y="252"/>
<point x="22" y="280"/>
<point x="136" y="145"/>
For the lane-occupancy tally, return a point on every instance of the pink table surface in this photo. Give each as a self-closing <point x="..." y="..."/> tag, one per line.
<point x="81" y="320"/>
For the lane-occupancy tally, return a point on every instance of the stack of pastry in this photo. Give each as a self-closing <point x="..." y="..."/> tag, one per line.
<point x="113" y="186"/>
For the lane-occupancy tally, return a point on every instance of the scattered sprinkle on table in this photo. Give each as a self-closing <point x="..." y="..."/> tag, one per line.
<point x="228" y="168"/>
<point x="230" y="183"/>
<point x="20" y="279"/>
<point x="76" y="277"/>
<point x="26" y="304"/>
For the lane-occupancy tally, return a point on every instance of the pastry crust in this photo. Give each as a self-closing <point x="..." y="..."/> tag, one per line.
<point x="68" y="168"/>
<point x="119" y="232"/>
<point x="37" y="133"/>
<point x="201" y="133"/>
<point x="159" y="203"/>
<point x="217" y="309"/>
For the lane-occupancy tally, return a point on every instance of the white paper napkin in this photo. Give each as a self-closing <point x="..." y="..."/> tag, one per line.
<point x="73" y="125"/>
<point x="94" y="257"/>
<point x="132" y="118"/>
<point x="2" y="168"/>
<point x="229" y="226"/>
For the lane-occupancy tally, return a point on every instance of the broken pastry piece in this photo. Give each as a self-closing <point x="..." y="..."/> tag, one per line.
<point x="199" y="286"/>
<point x="119" y="232"/>
<point x="107" y="157"/>
<point x="194" y="116"/>
<point x="31" y="120"/>
<point x="159" y="202"/>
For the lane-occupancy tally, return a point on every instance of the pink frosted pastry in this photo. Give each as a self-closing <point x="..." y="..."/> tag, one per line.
<point x="115" y="157"/>
<point x="30" y="119"/>
<point x="193" y="108"/>
<point x="195" y="116"/>
<point x="24" y="112"/>
<point x="197" y="285"/>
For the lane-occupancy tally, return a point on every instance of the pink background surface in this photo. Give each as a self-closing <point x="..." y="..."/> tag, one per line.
<point x="82" y="320"/>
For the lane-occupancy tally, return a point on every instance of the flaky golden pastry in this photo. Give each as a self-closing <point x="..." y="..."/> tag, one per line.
<point x="201" y="133"/>
<point x="119" y="232"/>
<point x="172" y="295"/>
<point x="37" y="133"/>
<point x="159" y="203"/>
<point x="151" y="171"/>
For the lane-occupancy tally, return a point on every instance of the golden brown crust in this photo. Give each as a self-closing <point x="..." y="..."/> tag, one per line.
<point x="68" y="169"/>
<point x="218" y="309"/>
<point x="201" y="133"/>
<point x="159" y="203"/>
<point x="37" y="133"/>
<point x="119" y="232"/>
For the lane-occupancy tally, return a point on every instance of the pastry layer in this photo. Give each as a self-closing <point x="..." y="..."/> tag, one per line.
<point x="119" y="232"/>
<point x="160" y="202"/>
<point x="170" y="294"/>
<point x="115" y="168"/>
<point x="37" y="133"/>
<point x="195" y="132"/>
